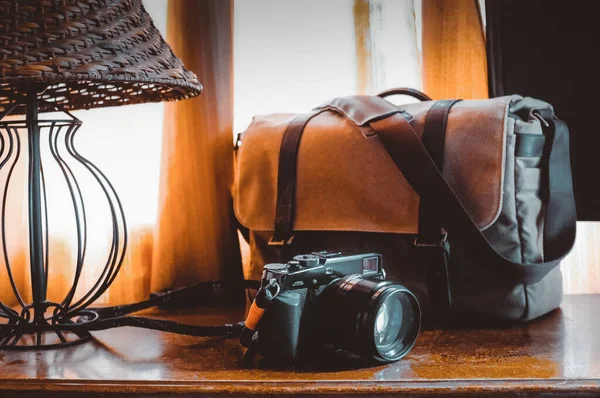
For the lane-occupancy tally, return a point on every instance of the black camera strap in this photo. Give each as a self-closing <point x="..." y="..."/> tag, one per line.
<point x="94" y="319"/>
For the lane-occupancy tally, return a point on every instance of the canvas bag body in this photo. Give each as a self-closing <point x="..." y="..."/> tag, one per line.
<point x="350" y="194"/>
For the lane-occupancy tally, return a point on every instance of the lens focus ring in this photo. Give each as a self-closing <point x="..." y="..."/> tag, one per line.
<point x="376" y="319"/>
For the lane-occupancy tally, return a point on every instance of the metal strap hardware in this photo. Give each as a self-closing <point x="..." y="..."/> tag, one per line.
<point x="440" y="243"/>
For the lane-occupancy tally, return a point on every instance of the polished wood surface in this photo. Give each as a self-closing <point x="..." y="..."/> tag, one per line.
<point x="559" y="353"/>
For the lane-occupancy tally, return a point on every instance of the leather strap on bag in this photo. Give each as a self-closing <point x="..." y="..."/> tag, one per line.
<point x="286" y="180"/>
<point x="434" y="139"/>
<point x="430" y="242"/>
<point x="288" y="155"/>
<point x="412" y="159"/>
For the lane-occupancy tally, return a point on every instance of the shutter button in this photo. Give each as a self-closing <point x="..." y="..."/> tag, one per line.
<point x="294" y="265"/>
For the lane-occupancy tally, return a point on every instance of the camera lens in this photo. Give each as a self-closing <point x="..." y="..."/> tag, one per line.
<point x="377" y="319"/>
<point x="391" y="327"/>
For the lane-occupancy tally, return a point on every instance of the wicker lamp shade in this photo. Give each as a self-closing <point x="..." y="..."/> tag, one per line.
<point x="87" y="54"/>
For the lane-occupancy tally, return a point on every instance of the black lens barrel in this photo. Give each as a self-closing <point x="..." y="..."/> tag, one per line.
<point x="350" y="307"/>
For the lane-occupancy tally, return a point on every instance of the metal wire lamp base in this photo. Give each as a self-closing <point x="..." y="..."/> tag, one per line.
<point x="41" y="323"/>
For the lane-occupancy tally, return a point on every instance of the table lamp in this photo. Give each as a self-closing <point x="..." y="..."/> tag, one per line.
<point x="59" y="56"/>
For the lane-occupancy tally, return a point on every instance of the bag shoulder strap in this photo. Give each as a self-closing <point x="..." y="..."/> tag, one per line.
<point x="410" y="156"/>
<point x="434" y="140"/>
<point x="288" y="153"/>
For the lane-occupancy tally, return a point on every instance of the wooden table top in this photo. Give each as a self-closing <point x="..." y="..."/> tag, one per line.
<point x="558" y="353"/>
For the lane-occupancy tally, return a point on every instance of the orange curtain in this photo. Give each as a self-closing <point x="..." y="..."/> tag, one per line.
<point x="195" y="235"/>
<point x="454" y="58"/>
<point x="362" y="32"/>
<point x="16" y="237"/>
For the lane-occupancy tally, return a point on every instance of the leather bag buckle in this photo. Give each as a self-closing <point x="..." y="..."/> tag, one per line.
<point x="281" y="242"/>
<point x="443" y="239"/>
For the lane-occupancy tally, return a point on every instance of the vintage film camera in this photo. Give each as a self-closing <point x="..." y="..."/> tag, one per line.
<point x="331" y="298"/>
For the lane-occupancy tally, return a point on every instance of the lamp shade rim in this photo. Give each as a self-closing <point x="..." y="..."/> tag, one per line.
<point x="87" y="54"/>
<point x="59" y="88"/>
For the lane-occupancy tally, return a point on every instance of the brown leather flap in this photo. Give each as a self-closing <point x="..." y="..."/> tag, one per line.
<point x="347" y="182"/>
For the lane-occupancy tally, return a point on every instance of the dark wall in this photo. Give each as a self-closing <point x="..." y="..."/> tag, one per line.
<point x="550" y="49"/>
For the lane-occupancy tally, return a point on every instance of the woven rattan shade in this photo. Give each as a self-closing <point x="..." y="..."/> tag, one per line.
<point x="88" y="54"/>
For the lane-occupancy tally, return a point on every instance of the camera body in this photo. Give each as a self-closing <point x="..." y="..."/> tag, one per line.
<point x="333" y="298"/>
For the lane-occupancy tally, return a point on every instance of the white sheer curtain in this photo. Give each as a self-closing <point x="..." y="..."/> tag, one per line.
<point x="289" y="56"/>
<point x="581" y="269"/>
